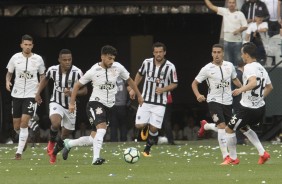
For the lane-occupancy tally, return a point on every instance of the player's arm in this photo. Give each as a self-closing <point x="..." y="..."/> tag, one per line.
<point x="43" y="83"/>
<point x="211" y="6"/>
<point x="169" y="87"/>
<point x="268" y="88"/>
<point x="195" y="89"/>
<point x="237" y="82"/>
<point x="74" y="93"/>
<point x="8" y="81"/>
<point x="134" y="87"/>
<point x="138" y="79"/>
<point x="251" y="84"/>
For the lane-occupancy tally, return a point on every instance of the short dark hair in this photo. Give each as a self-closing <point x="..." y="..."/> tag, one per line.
<point x="159" y="44"/>
<point x="64" y="51"/>
<point x="218" y="46"/>
<point x="27" y="37"/>
<point x="250" y="48"/>
<point x="108" y="49"/>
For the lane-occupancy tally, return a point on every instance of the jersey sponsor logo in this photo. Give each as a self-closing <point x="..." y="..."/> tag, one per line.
<point x="26" y="75"/>
<point x="223" y="84"/>
<point x="107" y="86"/>
<point x="155" y="80"/>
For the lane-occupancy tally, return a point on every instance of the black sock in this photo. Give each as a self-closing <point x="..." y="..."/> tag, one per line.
<point x="59" y="146"/>
<point x="53" y="135"/>
<point x="150" y="142"/>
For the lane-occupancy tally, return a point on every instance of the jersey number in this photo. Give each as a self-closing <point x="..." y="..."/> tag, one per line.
<point x="258" y="90"/>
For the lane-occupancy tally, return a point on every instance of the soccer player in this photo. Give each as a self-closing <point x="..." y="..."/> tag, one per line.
<point x="218" y="75"/>
<point x="64" y="75"/>
<point x="159" y="78"/>
<point x="256" y="86"/>
<point x="103" y="76"/>
<point x="26" y="65"/>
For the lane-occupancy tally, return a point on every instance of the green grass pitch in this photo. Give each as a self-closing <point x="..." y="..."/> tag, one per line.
<point x="195" y="162"/>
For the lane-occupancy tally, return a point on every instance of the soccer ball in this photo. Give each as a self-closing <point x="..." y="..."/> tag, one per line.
<point x="131" y="155"/>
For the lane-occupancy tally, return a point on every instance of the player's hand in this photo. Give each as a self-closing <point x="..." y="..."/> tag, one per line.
<point x="67" y="92"/>
<point x="72" y="108"/>
<point x="38" y="99"/>
<point x="140" y="100"/>
<point x="159" y="90"/>
<point x="236" y="92"/>
<point x="132" y="94"/>
<point x="8" y="86"/>
<point x="201" y="98"/>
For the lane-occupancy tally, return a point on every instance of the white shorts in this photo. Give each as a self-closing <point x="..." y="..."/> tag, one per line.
<point x="68" y="119"/>
<point x="150" y="113"/>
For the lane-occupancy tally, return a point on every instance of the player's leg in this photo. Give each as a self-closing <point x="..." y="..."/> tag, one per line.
<point x="98" y="115"/>
<point x="255" y="116"/>
<point x="218" y="112"/>
<point x="82" y="141"/>
<point x="142" y="119"/>
<point x="156" y="119"/>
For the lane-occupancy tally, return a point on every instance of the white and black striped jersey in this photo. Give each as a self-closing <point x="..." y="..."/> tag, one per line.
<point x="218" y="79"/>
<point x="157" y="76"/>
<point x="104" y="82"/>
<point x="62" y="81"/>
<point x="26" y="74"/>
<point x="254" y="98"/>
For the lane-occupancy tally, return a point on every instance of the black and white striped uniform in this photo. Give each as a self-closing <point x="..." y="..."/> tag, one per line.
<point x="157" y="76"/>
<point x="62" y="81"/>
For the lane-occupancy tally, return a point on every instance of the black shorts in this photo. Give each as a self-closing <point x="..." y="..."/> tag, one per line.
<point x="22" y="106"/>
<point x="97" y="113"/>
<point x="246" y="116"/>
<point x="219" y="112"/>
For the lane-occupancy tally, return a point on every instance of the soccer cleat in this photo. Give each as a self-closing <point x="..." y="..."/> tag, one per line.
<point x="52" y="158"/>
<point x="201" y="131"/>
<point x="146" y="154"/>
<point x="144" y="133"/>
<point x="66" y="149"/>
<point x="226" y="158"/>
<point x="229" y="161"/>
<point x="18" y="156"/>
<point x="50" y="148"/>
<point x="265" y="157"/>
<point x="99" y="161"/>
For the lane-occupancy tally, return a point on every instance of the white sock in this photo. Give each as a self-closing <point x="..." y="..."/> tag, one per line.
<point x="22" y="140"/>
<point x="82" y="141"/>
<point x="211" y="126"/>
<point x="252" y="136"/>
<point x="153" y="134"/>
<point x="97" y="143"/>
<point x="221" y="136"/>
<point x="231" y="144"/>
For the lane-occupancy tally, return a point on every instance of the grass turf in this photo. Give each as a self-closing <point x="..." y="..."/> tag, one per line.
<point x="195" y="162"/>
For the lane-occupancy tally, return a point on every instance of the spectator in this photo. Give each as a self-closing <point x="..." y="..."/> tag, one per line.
<point x="167" y="120"/>
<point x="274" y="16"/>
<point x="119" y="112"/>
<point x="257" y="33"/>
<point x="251" y="7"/>
<point x="177" y="132"/>
<point x="234" y="23"/>
<point x="190" y="130"/>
